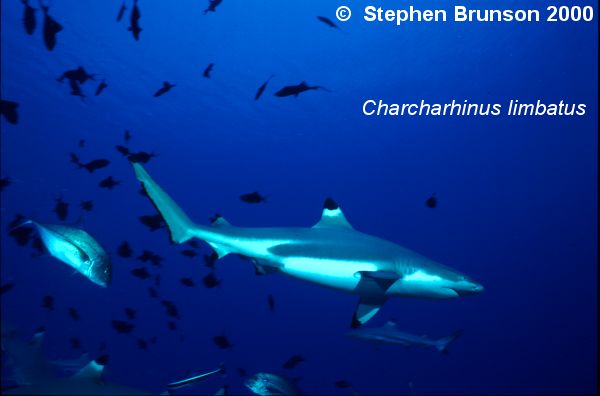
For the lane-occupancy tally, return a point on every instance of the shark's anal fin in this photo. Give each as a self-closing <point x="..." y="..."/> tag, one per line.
<point x="332" y="216"/>
<point x="371" y="288"/>
<point x="180" y="226"/>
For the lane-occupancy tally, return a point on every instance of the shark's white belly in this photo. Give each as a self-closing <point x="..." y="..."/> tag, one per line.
<point x="337" y="274"/>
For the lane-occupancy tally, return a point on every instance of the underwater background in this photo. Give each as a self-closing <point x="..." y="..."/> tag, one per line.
<point x="516" y="196"/>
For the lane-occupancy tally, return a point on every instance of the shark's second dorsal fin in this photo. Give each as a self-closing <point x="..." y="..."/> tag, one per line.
<point x="219" y="221"/>
<point x="332" y="216"/>
<point x="93" y="370"/>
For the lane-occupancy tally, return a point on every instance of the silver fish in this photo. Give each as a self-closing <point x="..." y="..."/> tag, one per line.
<point x="271" y="384"/>
<point x="78" y="249"/>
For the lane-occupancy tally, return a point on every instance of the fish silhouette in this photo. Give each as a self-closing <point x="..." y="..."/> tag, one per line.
<point x="28" y="17"/>
<point x="8" y="109"/>
<point x="51" y="28"/>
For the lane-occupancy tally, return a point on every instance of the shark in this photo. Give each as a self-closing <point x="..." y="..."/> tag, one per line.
<point x="390" y="334"/>
<point x="331" y="253"/>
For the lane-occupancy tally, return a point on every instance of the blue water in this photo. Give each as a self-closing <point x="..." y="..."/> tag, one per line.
<point x="517" y="196"/>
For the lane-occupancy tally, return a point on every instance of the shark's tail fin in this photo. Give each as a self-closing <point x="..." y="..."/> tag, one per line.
<point x="442" y="343"/>
<point x="180" y="226"/>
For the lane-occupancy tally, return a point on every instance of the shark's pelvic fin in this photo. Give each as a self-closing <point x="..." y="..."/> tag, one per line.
<point x="332" y="216"/>
<point x="179" y="225"/>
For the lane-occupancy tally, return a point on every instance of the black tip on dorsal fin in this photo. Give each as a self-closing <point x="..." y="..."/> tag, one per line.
<point x="355" y="323"/>
<point x="102" y="360"/>
<point x="330" y="204"/>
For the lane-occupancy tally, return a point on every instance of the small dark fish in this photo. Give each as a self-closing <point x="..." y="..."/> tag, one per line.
<point x="130" y="312"/>
<point x="295" y="90"/>
<point x="91" y="166"/>
<point x="211" y="259"/>
<point x="153" y="293"/>
<point x="171" y="308"/>
<point x="73" y="313"/>
<point x="147" y="255"/>
<point x="38" y="245"/>
<point x="153" y="222"/>
<point x="28" y="17"/>
<point x="328" y="22"/>
<point x="108" y="183"/>
<point x="79" y="75"/>
<point x="76" y="89"/>
<point x="21" y="234"/>
<point x="293" y="362"/>
<point x="61" y="209"/>
<point x="271" y="302"/>
<point x="87" y="205"/>
<point x="121" y="12"/>
<point x="8" y="109"/>
<point x="431" y="202"/>
<point x="343" y="384"/>
<point x="122" y="327"/>
<point x="208" y="70"/>
<point x="142" y="344"/>
<point x="262" y="88"/>
<point x="222" y="341"/>
<point x="81" y="143"/>
<point x="51" y="29"/>
<point x="242" y="372"/>
<point x="167" y="86"/>
<point x="193" y="243"/>
<point x="189" y="253"/>
<point x="101" y="87"/>
<point x="124" y="250"/>
<point x="4" y="182"/>
<point x="134" y="21"/>
<point x="141" y="273"/>
<point x="187" y="282"/>
<point x="123" y="150"/>
<point x="172" y="325"/>
<point x="75" y="343"/>
<point x="6" y="287"/>
<point x="211" y="280"/>
<point x="212" y="5"/>
<point x="141" y="157"/>
<point x="127" y="136"/>
<point x="252" y="198"/>
<point x="48" y="302"/>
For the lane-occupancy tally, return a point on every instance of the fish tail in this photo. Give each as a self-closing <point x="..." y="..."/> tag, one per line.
<point x="181" y="228"/>
<point x="442" y="343"/>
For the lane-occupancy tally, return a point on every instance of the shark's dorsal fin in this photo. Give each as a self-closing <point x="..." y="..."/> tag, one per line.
<point x="332" y="216"/>
<point x="93" y="370"/>
<point x="219" y="221"/>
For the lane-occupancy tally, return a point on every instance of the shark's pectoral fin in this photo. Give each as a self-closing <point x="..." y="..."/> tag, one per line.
<point x="365" y="310"/>
<point x="332" y="216"/>
<point x="376" y="281"/>
<point x="371" y="288"/>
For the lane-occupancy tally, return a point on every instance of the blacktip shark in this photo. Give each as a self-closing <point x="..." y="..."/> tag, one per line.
<point x="331" y="253"/>
<point x="390" y="334"/>
<point x="77" y="248"/>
